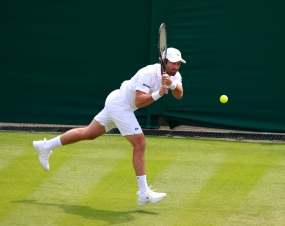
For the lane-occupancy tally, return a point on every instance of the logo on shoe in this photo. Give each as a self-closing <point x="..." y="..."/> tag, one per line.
<point x="136" y="128"/>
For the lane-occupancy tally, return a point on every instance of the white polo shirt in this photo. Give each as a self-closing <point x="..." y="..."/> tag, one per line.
<point x="147" y="80"/>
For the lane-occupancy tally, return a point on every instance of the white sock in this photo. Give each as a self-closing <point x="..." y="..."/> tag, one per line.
<point x="142" y="184"/>
<point x="53" y="143"/>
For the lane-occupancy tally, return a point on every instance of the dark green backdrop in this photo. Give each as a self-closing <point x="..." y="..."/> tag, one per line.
<point x="60" y="59"/>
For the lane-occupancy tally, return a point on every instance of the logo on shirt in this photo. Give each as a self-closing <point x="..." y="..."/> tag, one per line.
<point x="146" y="86"/>
<point x="136" y="128"/>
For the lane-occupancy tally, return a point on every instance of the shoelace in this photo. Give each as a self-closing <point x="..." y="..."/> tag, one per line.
<point x="149" y="190"/>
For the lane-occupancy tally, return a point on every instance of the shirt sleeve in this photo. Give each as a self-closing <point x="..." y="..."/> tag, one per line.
<point x="143" y="82"/>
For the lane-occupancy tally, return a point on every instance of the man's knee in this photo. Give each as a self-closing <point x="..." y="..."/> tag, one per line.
<point x="137" y="141"/>
<point x="140" y="144"/>
<point x="143" y="144"/>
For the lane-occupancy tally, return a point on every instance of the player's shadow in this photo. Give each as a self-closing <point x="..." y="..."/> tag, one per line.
<point x="110" y="217"/>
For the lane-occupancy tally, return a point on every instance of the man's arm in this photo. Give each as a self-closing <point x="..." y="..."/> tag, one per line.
<point x="144" y="99"/>
<point x="178" y="92"/>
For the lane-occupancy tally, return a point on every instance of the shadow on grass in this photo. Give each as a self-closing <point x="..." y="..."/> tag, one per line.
<point x="111" y="217"/>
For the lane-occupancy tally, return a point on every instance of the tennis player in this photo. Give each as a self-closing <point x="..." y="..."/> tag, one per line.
<point x="144" y="88"/>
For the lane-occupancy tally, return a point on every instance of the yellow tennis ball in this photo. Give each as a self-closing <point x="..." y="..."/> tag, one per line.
<point x="224" y="99"/>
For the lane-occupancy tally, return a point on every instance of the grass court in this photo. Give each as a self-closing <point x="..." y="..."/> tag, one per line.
<point x="208" y="182"/>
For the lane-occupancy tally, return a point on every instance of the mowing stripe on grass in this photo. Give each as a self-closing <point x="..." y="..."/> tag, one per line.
<point x="103" y="202"/>
<point x="11" y="152"/>
<point x="185" y="178"/>
<point x="20" y="179"/>
<point x="66" y="184"/>
<point x="265" y="204"/>
<point x="236" y="176"/>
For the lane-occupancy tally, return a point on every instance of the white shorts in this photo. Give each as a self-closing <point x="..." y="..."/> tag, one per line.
<point x="117" y="113"/>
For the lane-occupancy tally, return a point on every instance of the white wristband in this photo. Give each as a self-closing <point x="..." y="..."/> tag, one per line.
<point x="173" y="85"/>
<point x="155" y="95"/>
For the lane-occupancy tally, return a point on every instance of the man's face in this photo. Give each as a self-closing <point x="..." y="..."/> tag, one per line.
<point x="172" y="68"/>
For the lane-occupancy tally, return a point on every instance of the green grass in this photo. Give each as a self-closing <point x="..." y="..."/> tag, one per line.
<point x="93" y="183"/>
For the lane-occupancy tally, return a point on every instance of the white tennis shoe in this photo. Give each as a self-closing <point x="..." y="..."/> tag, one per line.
<point x="43" y="153"/>
<point x="149" y="196"/>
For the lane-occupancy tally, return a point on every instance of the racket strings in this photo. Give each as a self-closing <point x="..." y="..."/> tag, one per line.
<point x="162" y="41"/>
<point x="162" y="45"/>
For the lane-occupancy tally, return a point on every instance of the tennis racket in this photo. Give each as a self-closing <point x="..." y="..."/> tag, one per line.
<point x="162" y="45"/>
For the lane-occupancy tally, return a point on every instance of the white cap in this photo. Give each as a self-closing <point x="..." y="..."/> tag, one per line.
<point x="174" y="55"/>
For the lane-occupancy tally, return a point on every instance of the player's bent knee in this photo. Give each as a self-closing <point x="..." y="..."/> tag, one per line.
<point x="140" y="147"/>
<point x="137" y="141"/>
<point x="143" y="145"/>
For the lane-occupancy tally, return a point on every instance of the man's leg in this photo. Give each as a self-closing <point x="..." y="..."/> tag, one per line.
<point x="124" y="118"/>
<point x="145" y="194"/>
<point x="44" y="147"/>
<point x="90" y="132"/>
<point x="138" y="143"/>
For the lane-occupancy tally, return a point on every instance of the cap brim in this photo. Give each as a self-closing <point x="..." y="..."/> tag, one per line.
<point x="173" y="60"/>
